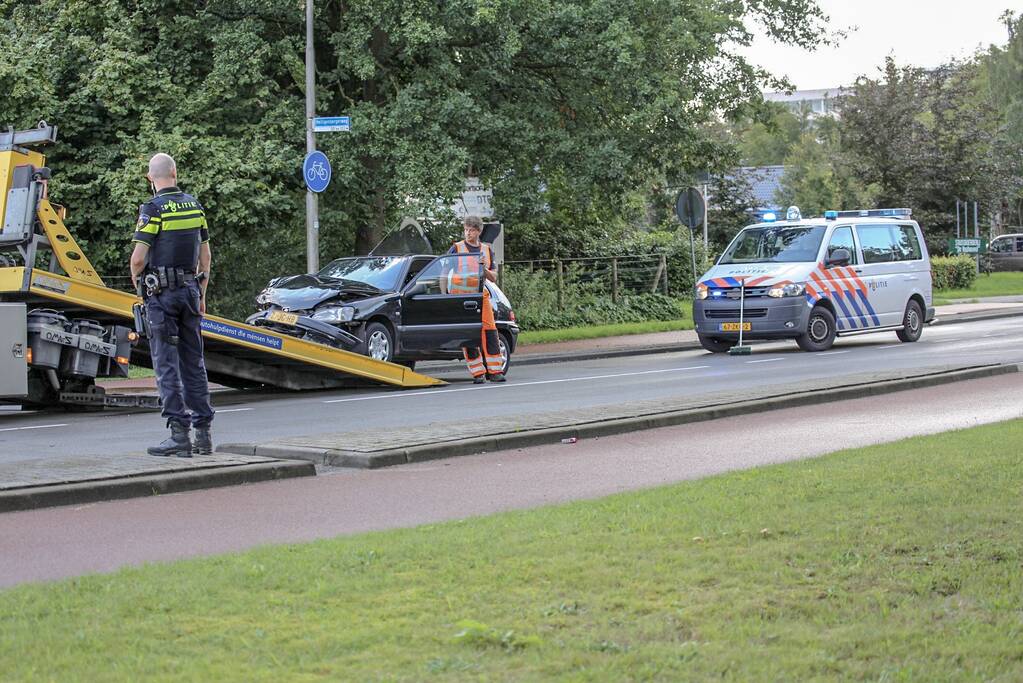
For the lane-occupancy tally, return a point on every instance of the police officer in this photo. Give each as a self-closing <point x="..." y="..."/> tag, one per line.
<point x="172" y="260"/>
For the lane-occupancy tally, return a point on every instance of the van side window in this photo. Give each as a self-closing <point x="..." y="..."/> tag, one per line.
<point x="1019" y="244"/>
<point x="1002" y="244"/>
<point x="842" y="238"/>
<point x="908" y="246"/>
<point x="876" y="243"/>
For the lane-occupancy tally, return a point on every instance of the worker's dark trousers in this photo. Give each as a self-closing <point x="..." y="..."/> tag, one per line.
<point x="176" y="347"/>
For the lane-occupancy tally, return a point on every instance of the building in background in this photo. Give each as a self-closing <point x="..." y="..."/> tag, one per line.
<point x="814" y="103"/>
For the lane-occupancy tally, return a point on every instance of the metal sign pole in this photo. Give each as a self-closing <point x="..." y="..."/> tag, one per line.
<point x="312" y="213"/>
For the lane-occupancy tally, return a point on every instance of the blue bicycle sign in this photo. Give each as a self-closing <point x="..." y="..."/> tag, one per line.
<point x="316" y="170"/>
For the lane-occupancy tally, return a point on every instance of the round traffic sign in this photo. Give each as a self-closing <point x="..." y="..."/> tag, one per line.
<point x="316" y="170"/>
<point x="689" y="207"/>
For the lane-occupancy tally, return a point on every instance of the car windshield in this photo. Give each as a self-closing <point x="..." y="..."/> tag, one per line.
<point x="775" y="244"/>
<point x="377" y="271"/>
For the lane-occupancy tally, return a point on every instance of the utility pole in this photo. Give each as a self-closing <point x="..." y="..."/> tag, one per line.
<point x="312" y="212"/>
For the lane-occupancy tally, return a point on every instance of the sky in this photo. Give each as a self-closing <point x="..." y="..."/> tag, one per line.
<point x="922" y="33"/>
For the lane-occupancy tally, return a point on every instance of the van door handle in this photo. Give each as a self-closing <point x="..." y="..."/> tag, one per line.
<point x="911" y="278"/>
<point x="857" y="270"/>
<point x="470" y="305"/>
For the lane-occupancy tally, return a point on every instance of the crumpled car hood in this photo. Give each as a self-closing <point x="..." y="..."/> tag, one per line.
<point x="305" y="292"/>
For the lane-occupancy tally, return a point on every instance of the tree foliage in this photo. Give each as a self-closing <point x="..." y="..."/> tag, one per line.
<point x="571" y="106"/>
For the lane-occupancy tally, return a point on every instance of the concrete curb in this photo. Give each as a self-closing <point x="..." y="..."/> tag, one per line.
<point x="34" y="497"/>
<point x="507" y="441"/>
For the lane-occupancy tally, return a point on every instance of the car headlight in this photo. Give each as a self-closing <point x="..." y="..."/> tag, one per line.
<point x="792" y="289"/>
<point x="335" y="314"/>
<point x="701" y="291"/>
<point x="264" y="298"/>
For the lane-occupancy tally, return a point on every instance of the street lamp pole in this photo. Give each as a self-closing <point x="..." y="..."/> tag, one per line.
<point x="312" y="216"/>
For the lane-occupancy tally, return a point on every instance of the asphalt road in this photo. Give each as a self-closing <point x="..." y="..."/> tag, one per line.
<point x="51" y="543"/>
<point x="530" y="389"/>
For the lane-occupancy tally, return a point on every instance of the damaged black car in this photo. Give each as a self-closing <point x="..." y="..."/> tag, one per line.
<point x="391" y="308"/>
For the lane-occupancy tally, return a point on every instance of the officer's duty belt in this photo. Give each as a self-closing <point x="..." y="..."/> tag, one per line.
<point x="172" y="278"/>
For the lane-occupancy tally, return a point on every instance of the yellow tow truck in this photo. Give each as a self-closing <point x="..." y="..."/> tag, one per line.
<point x="61" y="327"/>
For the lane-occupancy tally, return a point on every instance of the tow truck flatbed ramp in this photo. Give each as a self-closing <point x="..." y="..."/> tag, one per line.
<point x="237" y="355"/>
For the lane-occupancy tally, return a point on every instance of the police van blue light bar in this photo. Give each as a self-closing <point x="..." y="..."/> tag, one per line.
<point x="769" y="217"/>
<point x="868" y="213"/>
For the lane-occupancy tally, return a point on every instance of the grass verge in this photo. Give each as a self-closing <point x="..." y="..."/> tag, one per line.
<point x="574" y="333"/>
<point x="900" y="562"/>
<point x="995" y="284"/>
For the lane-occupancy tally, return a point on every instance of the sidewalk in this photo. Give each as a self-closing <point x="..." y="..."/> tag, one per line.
<point x="30" y="484"/>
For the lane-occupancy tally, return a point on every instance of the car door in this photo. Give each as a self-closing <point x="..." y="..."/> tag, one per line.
<point x="1001" y="252"/>
<point x="434" y="316"/>
<point x="880" y="272"/>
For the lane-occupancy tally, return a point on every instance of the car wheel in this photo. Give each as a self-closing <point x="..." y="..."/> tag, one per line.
<point x="504" y="348"/>
<point x="820" y="331"/>
<point x="715" y="345"/>
<point x="379" y="344"/>
<point x="912" y="323"/>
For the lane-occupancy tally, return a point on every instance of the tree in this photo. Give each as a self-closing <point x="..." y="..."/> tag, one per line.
<point x="592" y="96"/>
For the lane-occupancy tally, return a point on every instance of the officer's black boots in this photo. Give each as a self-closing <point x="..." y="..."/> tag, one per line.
<point x="177" y="444"/>
<point x="203" y="442"/>
<point x="496" y="377"/>
<point x="478" y="380"/>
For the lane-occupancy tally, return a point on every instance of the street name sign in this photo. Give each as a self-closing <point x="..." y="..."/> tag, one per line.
<point x="332" y="124"/>
<point x="967" y="245"/>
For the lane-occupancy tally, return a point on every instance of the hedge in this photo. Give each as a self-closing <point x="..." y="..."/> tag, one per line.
<point x="953" y="272"/>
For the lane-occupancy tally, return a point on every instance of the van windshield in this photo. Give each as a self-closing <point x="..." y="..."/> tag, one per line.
<point x="775" y="244"/>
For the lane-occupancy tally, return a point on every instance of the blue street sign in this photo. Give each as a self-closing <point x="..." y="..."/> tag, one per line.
<point x="316" y="170"/>
<point x="332" y="124"/>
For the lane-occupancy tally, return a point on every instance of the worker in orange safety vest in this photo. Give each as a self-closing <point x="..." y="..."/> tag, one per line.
<point x="484" y="360"/>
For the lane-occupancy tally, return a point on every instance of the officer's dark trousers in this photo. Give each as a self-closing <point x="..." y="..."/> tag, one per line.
<point x="176" y="347"/>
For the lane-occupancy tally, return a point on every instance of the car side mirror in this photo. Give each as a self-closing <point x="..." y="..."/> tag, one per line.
<point x="839" y="257"/>
<point x="416" y="288"/>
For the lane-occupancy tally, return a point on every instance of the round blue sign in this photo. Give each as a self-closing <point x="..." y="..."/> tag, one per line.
<point x="316" y="170"/>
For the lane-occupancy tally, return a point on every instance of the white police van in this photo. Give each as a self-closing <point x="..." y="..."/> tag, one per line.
<point x="849" y="272"/>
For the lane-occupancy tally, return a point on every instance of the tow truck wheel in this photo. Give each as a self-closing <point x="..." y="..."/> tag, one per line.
<point x="379" y="344"/>
<point x="912" y="323"/>
<point x="820" y="331"/>
<point x="715" y="345"/>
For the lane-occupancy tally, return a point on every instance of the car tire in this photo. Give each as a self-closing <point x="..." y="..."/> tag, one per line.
<point x="715" y="345"/>
<point x="504" y="348"/>
<point x="912" y="323"/>
<point x="820" y="331"/>
<point x="379" y="342"/>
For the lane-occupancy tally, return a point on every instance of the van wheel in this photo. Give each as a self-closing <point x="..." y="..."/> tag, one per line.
<point x="912" y="323"/>
<point x="820" y="331"/>
<point x="715" y="345"/>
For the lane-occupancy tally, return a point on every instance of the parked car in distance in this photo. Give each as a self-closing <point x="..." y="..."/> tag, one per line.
<point x="392" y="308"/>
<point x="1006" y="252"/>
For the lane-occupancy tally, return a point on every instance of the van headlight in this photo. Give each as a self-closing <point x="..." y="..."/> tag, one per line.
<point x="701" y="291"/>
<point x="792" y="289"/>
<point x="264" y="297"/>
<point x="335" y="314"/>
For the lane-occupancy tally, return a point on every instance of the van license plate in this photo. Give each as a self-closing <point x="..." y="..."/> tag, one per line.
<point x="282" y="317"/>
<point x="734" y="327"/>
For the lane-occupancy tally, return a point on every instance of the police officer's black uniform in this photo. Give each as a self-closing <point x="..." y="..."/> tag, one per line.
<point x="173" y="225"/>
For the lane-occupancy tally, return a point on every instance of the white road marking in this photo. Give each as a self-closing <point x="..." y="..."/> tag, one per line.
<point x="15" y="429"/>
<point x="891" y="346"/>
<point x="515" y="384"/>
<point x="765" y="360"/>
<point x="234" y="410"/>
<point x="831" y="353"/>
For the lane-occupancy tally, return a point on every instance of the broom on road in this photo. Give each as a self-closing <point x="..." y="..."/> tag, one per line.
<point x="739" y="349"/>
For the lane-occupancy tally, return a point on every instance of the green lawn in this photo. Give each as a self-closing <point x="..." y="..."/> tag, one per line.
<point x="573" y="333"/>
<point x="995" y="284"/>
<point x="902" y="562"/>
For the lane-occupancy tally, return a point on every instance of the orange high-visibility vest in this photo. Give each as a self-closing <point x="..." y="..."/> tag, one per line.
<point x="465" y="279"/>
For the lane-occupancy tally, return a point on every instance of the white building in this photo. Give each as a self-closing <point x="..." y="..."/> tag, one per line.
<point x="819" y="102"/>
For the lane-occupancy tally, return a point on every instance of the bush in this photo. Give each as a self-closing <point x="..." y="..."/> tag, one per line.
<point x="534" y="297"/>
<point x="953" y="272"/>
